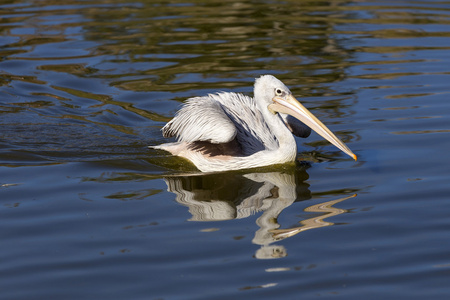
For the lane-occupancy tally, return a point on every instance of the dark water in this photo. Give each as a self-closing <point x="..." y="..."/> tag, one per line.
<point x="88" y="212"/>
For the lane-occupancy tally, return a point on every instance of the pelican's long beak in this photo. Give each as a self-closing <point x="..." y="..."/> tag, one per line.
<point x="291" y="106"/>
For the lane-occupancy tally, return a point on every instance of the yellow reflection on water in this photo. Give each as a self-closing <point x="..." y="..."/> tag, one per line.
<point x="315" y="222"/>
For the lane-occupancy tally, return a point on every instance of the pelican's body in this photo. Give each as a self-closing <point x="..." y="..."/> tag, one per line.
<point x="229" y="131"/>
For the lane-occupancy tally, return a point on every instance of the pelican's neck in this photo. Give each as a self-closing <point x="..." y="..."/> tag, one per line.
<point x="285" y="139"/>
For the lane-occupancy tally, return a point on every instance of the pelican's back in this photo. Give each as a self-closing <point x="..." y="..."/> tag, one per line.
<point x="219" y="119"/>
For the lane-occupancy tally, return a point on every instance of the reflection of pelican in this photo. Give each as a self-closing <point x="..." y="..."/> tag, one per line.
<point x="234" y="196"/>
<point x="271" y="233"/>
<point x="226" y="196"/>
<point x="315" y="222"/>
<point x="229" y="131"/>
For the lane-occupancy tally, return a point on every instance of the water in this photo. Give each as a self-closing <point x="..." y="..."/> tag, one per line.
<point x="88" y="212"/>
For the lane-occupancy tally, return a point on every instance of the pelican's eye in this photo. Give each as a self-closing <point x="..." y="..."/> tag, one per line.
<point x="278" y="92"/>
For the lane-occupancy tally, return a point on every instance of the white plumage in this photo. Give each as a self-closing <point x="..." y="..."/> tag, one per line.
<point x="229" y="131"/>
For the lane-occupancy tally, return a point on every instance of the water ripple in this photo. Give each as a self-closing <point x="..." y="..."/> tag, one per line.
<point x="85" y="86"/>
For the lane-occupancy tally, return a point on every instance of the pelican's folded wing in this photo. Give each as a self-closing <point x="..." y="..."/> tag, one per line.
<point x="201" y="119"/>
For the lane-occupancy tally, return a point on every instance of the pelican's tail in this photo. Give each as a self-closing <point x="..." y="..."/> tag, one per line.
<point x="174" y="148"/>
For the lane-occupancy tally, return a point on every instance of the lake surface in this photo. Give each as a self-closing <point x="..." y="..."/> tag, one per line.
<point x="89" y="212"/>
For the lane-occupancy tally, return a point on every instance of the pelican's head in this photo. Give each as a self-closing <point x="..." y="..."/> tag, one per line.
<point x="267" y="87"/>
<point x="278" y="98"/>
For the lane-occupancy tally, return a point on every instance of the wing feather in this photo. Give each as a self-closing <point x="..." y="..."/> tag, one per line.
<point x="253" y="133"/>
<point x="201" y="119"/>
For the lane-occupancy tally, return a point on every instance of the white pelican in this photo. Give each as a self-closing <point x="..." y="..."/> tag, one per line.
<point x="229" y="131"/>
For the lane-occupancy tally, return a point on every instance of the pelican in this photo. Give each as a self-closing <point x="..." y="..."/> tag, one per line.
<point x="229" y="131"/>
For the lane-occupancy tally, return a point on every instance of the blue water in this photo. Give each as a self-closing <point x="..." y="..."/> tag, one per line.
<point x="89" y="212"/>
